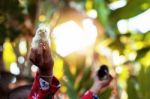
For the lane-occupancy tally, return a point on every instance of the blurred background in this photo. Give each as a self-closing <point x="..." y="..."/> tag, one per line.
<point x="84" y="34"/>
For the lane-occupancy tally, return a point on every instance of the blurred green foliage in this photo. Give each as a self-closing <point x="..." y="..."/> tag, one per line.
<point x="138" y="86"/>
<point x="79" y="82"/>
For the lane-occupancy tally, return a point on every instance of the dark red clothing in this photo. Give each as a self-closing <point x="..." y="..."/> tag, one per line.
<point x="41" y="89"/>
<point x="88" y="95"/>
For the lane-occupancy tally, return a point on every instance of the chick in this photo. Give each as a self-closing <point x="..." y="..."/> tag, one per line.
<point x="41" y="35"/>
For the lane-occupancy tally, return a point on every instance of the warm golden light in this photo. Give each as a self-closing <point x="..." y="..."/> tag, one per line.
<point x="8" y="54"/>
<point x="23" y="47"/>
<point x="42" y="18"/>
<point x="70" y="37"/>
<point x="58" y="68"/>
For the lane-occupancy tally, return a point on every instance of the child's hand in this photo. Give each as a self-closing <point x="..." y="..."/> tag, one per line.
<point x="41" y="57"/>
<point x="98" y="85"/>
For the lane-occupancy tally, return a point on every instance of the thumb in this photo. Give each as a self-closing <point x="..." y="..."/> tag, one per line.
<point x="106" y="82"/>
<point x="32" y="56"/>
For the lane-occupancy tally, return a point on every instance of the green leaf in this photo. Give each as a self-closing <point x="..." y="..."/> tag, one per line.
<point x="133" y="8"/>
<point x="72" y="93"/>
<point x="106" y="94"/>
<point x="68" y="74"/>
<point x="131" y="88"/>
<point x="103" y="16"/>
<point x="85" y="80"/>
<point x="142" y="52"/>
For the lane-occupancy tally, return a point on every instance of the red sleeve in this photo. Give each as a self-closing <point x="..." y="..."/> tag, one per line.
<point x="42" y="89"/>
<point x="88" y="95"/>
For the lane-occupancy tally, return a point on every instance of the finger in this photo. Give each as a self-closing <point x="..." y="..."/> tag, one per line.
<point x="48" y="61"/>
<point x="46" y="50"/>
<point x="110" y="77"/>
<point x="45" y="45"/>
<point x="40" y="49"/>
<point x="32" y="55"/>
<point x="39" y="56"/>
<point x="106" y="82"/>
